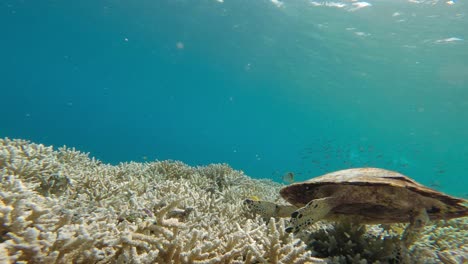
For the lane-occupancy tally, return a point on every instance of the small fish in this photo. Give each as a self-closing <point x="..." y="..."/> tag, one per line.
<point x="145" y="158"/>
<point x="288" y="177"/>
<point x="435" y="184"/>
<point x="254" y="198"/>
<point x="398" y="229"/>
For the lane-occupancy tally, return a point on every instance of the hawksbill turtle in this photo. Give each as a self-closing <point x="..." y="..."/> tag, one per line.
<point x="362" y="195"/>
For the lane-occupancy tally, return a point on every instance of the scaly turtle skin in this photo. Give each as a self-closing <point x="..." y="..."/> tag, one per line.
<point x="364" y="195"/>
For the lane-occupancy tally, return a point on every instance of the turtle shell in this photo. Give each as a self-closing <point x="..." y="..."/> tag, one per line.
<point x="397" y="191"/>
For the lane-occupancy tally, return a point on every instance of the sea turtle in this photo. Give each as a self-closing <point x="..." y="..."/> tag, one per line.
<point x="363" y="195"/>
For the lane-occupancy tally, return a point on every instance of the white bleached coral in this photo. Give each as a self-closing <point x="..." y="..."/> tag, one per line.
<point x="60" y="206"/>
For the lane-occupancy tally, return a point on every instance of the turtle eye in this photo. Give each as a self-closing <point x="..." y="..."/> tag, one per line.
<point x="433" y="210"/>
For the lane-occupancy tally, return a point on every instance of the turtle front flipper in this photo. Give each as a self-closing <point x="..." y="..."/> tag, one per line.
<point x="310" y="213"/>
<point x="417" y="222"/>
<point x="269" y="209"/>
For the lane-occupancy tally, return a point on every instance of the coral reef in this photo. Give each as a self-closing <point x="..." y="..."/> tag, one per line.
<point x="346" y="242"/>
<point x="60" y="206"/>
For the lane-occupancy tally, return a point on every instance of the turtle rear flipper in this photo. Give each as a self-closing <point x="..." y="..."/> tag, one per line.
<point x="310" y="213"/>
<point x="269" y="209"/>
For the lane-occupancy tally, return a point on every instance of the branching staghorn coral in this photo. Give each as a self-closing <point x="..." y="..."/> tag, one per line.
<point x="170" y="169"/>
<point x="26" y="220"/>
<point x="445" y="241"/>
<point x="34" y="163"/>
<point x="64" y="207"/>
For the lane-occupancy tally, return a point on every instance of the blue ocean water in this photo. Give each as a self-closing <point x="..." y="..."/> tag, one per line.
<point x="266" y="86"/>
